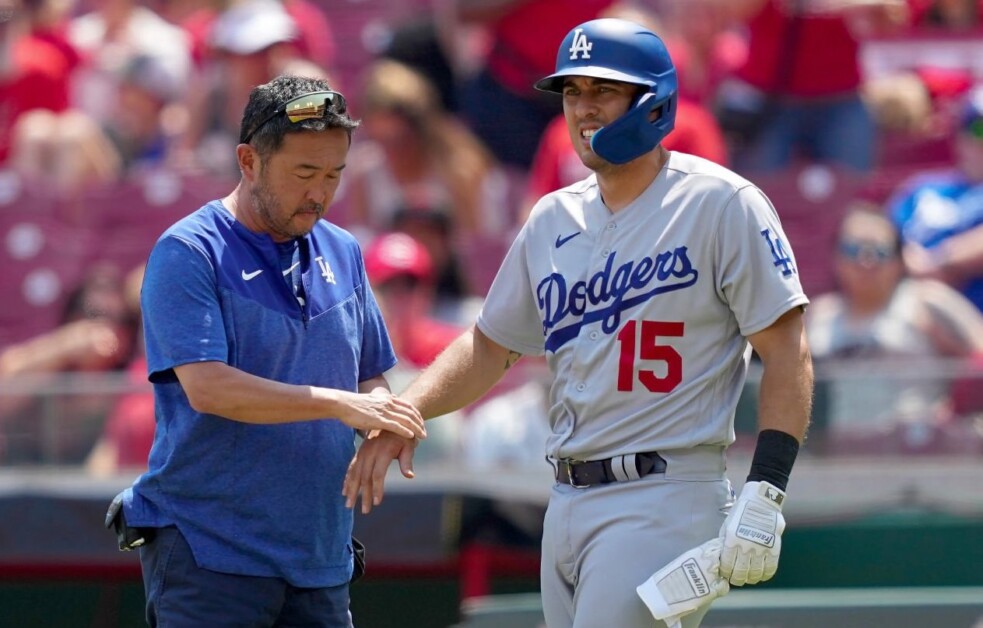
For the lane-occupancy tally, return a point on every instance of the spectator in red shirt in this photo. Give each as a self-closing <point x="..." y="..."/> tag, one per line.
<point x="402" y="278"/>
<point x="499" y="102"/>
<point x="36" y="64"/>
<point x="798" y="93"/>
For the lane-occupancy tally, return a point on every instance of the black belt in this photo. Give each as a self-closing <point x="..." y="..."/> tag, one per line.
<point x="584" y="473"/>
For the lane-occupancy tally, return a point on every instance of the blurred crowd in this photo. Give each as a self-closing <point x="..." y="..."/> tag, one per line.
<point x="875" y="104"/>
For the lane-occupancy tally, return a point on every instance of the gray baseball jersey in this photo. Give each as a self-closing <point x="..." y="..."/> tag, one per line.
<point x="643" y="314"/>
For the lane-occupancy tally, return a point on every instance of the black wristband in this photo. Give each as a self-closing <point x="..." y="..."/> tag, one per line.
<point x="774" y="456"/>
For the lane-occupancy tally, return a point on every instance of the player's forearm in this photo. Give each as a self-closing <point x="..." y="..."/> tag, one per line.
<point x="221" y="390"/>
<point x="465" y="371"/>
<point x="786" y="390"/>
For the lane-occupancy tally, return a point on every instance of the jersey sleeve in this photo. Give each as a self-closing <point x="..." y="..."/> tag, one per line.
<point x="377" y="354"/>
<point x="509" y="315"/>
<point x="757" y="273"/>
<point x="182" y="316"/>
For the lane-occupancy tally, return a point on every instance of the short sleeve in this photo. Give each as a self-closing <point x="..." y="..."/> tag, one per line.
<point x="509" y="315"/>
<point x="182" y="316"/>
<point x="758" y="276"/>
<point x="377" y="355"/>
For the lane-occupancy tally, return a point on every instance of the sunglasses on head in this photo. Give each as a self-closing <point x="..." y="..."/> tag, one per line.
<point x="866" y="252"/>
<point x="306" y="107"/>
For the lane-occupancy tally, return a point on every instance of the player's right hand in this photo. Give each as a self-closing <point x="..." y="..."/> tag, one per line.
<point x="367" y="471"/>
<point x="381" y="410"/>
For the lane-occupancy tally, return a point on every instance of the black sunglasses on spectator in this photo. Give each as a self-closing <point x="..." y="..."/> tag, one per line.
<point x="306" y="107"/>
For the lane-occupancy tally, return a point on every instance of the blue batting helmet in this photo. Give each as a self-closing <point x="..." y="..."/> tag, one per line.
<point x="620" y="50"/>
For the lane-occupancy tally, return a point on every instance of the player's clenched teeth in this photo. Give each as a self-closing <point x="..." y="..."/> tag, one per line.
<point x="588" y="133"/>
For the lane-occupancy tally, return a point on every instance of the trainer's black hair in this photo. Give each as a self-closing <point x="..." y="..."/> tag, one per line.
<point x="265" y="99"/>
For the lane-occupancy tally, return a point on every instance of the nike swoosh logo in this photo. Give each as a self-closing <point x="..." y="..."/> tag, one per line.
<point x="252" y="275"/>
<point x="561" y="241"/>
<point x="288" y="271"/>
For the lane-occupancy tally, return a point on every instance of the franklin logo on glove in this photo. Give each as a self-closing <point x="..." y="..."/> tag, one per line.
<point x="696" y="578"/>
<point x="688" y="583"/>
<point x="752" y="535"/>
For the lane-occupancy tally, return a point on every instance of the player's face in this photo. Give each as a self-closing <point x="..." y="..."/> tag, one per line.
<point x="293" y="186"/>
<point x="588" y="105"/>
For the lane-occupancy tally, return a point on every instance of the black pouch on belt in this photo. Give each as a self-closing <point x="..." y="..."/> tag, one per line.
<point x="127" y="538"/>
<point x="358" y="552"/>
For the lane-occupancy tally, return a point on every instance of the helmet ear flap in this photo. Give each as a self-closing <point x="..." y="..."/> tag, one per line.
<point x="638" y="131"/>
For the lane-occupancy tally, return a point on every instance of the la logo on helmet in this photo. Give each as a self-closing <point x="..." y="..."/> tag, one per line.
<point x="580" y="45"/>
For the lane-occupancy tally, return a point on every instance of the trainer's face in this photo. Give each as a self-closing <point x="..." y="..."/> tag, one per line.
<point x="588" y="105"/>
<point x="292" y="187"/>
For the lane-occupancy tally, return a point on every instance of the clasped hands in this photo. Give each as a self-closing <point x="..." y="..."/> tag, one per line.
<point x="367" y="471"/>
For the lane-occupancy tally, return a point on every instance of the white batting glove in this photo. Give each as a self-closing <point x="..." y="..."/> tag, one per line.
<point x="752" y="535"/>
<point x="690" y="581"/>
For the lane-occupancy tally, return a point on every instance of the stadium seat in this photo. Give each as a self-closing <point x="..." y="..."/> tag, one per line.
<point x="42" y="259"/>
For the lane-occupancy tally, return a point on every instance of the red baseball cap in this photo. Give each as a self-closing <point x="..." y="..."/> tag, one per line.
<point x="394" y="254"/>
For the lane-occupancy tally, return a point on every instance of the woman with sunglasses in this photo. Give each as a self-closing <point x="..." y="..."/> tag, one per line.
<point x="267" y="351"/>
<point x="879" y="334"/>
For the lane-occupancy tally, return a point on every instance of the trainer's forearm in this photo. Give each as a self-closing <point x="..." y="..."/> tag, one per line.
<point x="460" y="375"/>
<point x="219" y="389"/>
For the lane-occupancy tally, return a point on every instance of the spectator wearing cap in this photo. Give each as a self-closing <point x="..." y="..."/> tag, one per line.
<point x="149" y="115"/>
<point x="940" y="214"/>
<point x="456" y="301"/>
<point x="247" y="44"/>
<point x="402" y="278"/>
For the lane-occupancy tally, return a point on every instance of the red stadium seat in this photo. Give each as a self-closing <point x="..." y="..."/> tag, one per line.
<point x="42" y="260"/>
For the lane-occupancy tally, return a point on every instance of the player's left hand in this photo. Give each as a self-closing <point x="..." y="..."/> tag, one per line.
<point x="690" y="581"/>
<point x="367" y="471"/>
<point x="752" y="535"/>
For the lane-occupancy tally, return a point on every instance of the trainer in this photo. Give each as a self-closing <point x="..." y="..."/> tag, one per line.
<point x="266" y="351"/>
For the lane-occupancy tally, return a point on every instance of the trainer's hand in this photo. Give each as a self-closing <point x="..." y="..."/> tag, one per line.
<point x="367" y="471"/>
<point x="752" y="535"/>
<point x="381" y="410"/>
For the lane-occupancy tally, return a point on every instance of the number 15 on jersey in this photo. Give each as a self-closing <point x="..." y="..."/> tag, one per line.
<point x="640" y="342"/>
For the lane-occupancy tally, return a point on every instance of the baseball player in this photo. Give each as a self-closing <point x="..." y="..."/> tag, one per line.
<point x="646" y="285"/>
